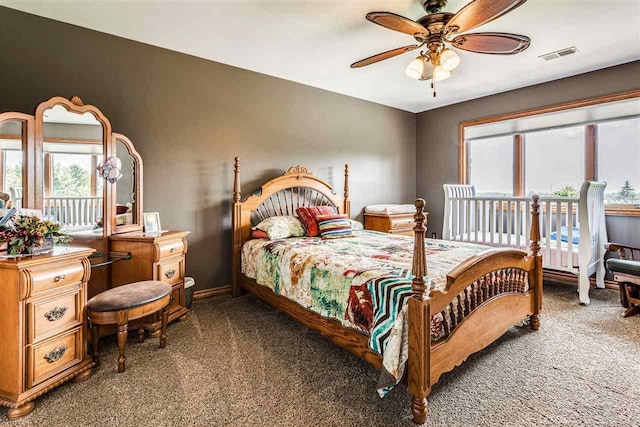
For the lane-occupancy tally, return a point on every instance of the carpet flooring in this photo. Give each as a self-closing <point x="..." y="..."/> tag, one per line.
<point x="238" y="362"/>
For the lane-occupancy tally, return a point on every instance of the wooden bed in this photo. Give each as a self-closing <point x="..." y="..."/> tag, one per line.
<point x="478" y="323"/>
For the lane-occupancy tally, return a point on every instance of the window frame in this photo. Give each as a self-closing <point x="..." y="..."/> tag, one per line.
<point x="518" y="147"/>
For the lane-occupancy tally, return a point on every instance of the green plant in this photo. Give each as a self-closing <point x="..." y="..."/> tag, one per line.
<point x="24" y="232"/>
<point x="627" y="193"/>
<point x="566" y="191"/>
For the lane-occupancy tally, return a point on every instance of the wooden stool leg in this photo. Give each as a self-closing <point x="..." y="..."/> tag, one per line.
<point x="163" y="330"/>
<point x="95" y="340"/>
<point x="123" y="320"/>
<point x="141" y="335"/>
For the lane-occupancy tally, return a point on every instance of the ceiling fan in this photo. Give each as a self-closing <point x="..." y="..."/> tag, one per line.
<point x="438" y="29"/>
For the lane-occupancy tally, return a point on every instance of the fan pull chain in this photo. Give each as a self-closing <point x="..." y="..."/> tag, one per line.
<point x="433" y="86"/>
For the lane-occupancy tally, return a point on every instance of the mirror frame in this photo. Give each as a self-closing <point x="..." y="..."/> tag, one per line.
<point x="28" y="167"/>
<point x="137" y="187"/>
<point x="73" y="105"/>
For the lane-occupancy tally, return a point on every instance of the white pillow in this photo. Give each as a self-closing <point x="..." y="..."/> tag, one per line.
<point x="281" y="227"/>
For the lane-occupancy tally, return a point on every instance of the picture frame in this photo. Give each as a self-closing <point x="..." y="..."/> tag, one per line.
<point x="151" y="222"/>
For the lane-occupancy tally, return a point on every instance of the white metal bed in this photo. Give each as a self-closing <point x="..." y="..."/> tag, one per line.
<point x="573" y="229"/>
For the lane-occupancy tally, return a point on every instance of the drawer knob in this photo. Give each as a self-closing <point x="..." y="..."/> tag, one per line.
<point x="172" y="250"/>
<point x="55" y="354"/>
<point x="60" y="277"/>
<point x="55" y="313"/>
<point x="170" y="273"/>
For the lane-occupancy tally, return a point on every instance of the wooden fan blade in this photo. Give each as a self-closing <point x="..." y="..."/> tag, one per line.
<point x="479" y="12"/>
<point x="494" y="43"/>
<point x="396" y="23"/>
<point x="384" y="55"/>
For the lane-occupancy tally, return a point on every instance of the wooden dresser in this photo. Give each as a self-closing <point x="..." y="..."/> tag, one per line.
<point x="396" y="224"/>
<point x="153" y="257"/>
<point x="42" y="328"/>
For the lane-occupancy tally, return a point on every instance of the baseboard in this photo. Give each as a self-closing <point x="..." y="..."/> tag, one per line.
<point x="211" y="292"/>
<point x="565" y="277"/>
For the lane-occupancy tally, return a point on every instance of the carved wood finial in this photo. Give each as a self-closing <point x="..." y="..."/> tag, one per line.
<point x="419" y="268"/>
<point x="75" y="100"/>
<point x="236" y="180"/>
<point x="298" y="170"/>
<point x="535" y="226"/>
<point x="346" y="181"/>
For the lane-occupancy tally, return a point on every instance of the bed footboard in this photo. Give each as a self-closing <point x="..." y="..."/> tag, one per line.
<point x="484" y="297"/>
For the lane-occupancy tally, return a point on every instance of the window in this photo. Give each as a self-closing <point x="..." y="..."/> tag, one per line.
<point x="484" y="157"/>
<point x="619" y="160"/>
<point x="553" y="150"/>
<point x="554" y="162"/>
<point x="12" y="170"/>
<point x="72" y="175"/>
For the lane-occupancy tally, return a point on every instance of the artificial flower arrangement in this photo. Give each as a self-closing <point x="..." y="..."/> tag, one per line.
<point x="26" y="233"/>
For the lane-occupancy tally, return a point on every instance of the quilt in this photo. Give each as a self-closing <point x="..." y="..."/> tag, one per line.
<point x="364" y="282"/>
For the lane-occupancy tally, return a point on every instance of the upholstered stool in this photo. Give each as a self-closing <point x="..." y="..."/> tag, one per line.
<point x="123" y="304"/>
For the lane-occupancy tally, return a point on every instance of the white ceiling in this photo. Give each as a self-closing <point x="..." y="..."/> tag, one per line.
<point x="314" y="41"/>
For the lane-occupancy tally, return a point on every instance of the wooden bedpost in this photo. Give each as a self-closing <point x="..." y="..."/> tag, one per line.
<point x="237" y="234"/>
<point x="535" y="279"/>
<point x="347" y="201"/>
<point x="419" y="323"/>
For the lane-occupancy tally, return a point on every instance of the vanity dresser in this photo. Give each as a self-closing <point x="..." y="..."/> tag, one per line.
<point x="42" y="328"/>
<point x="55" y="156"/>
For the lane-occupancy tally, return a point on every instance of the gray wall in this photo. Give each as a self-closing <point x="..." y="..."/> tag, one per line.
<point x="437" y="134"/>
<point x="189" y="117"/>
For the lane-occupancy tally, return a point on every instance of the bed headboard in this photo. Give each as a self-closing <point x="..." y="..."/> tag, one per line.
<point x="296" y="187"/>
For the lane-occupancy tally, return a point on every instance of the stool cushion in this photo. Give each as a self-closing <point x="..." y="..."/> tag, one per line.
<point x="129" y="296"/>
<point x="624" y="266"/>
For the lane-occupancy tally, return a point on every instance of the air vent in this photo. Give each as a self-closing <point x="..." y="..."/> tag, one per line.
<point x="559" y="53"/>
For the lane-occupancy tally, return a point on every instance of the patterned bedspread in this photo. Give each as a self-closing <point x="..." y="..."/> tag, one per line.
<point x="363" y="281"/>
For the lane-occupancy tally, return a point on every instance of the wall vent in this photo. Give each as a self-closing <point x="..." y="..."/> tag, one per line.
<point x="559" y="53"/>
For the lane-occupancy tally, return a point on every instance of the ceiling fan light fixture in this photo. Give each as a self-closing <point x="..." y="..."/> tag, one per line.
<point x="420" y="69"/>
<point x="449" y="60"/>
<point x="440" y="74"/>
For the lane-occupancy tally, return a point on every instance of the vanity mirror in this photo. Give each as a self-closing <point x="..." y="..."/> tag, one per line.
<point x="128" y="188"/>
<point x="16" y="130"/>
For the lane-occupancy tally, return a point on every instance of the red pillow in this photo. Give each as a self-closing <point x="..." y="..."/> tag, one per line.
<point x="259" y="234"/>
<point x="308" y="218"/>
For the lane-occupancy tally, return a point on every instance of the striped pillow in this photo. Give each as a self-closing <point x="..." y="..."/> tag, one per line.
<point x="334" y="226"/>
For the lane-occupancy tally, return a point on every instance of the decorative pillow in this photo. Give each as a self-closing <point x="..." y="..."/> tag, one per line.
<point x="356" y="225"/>
<point x="281" y="227"/>
<point x="334" y="226"/>
<point x="259" y="234"/>
<point x="308" y="216"/>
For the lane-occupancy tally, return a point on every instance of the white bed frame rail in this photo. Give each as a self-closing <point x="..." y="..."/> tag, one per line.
<point x="503" y="221"/>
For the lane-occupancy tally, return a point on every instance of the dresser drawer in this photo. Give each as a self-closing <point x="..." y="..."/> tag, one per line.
<point x="401" y="222"/>
<point x="46" y="279"/>
<point x="169" y="248"/>
<point x="49" y="316"/>
<point x="52" y="356"/>
<point x="171" y="271"/>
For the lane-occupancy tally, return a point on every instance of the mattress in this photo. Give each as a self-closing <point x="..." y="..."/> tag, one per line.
<point x="363" y="282"/>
